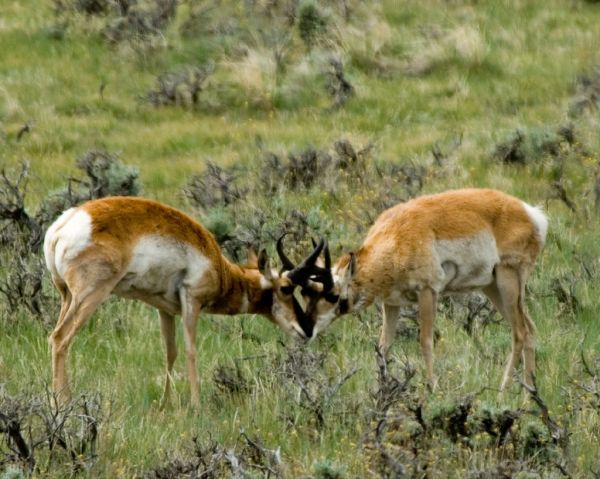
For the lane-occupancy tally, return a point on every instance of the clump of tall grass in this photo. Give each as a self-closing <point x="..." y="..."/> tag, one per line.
<point x="22" y="232"/>
<point x="40" y="437"/>
<point x="105" y="175"/>
<point x="437" y="46"/>
<point x="247" y="457"/>
<point x="523" y="146"/>
<point x="180" y="88"/>
<point x="586" y="96"/>
<point x="266" y="213"/>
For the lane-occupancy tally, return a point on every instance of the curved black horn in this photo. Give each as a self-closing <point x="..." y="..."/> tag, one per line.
<point x="326" y="250"/>
<point x="287" y="263"/>
<point x="312" y="259"/>
<point x="327" y="256"/>
<point x="309" y="271"/>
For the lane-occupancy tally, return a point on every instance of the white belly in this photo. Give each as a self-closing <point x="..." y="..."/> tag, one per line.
<point x="466" y="264"/>
<point x="458" y="266"/>
<point x="159" y="266"/>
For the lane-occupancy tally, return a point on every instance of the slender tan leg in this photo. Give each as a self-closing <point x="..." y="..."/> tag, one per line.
<point x="529" y="342"/>
<point x="388" y="328"/>
<point x="190" y="308"/>
<point x="427" y="305"/>
<point x="78" y="312"/>
<point x="493" y="294"/>
<point x="65" y="299"/>
<point x="167" y="329"/>
<point x="509" y="289"/>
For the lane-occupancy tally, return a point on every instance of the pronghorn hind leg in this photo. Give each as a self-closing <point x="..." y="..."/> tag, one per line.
<point x="167" y="329"/>
<point x="493" y="295"/>
<point x="427" y="308"/>
<point x="65" y="298"/>
<point x="507" y="294"/>
<point x="80" y="308"/>
<point x="529" y="343"/>
<point x="388" y="328"/>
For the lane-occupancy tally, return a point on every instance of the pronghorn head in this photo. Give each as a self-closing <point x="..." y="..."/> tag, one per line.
<point x="277" y="298"/>
<point x="325" y="290"/>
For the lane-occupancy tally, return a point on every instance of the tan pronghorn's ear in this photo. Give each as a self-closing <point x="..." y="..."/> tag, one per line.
<point x="352" y="265"/>
<point x="350" y="269"/>
<point x="251" y="258"/>
<point x="263" y="265"/>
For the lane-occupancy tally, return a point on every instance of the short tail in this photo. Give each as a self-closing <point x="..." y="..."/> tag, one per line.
<point x="540" y="221"/>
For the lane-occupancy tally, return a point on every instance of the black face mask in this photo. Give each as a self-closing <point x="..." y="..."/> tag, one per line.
<point x="303" y="320"/>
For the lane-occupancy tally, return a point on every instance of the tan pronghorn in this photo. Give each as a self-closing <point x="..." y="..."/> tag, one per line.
<point x="452" y="242"/>
<point x="141" y="249"/>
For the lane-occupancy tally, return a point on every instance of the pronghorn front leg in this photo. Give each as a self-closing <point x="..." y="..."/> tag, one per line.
<point x="190" y="308"/>
<point x="427" y="306"/>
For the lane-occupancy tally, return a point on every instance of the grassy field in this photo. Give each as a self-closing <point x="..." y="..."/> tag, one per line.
<point x="444" y="95"/>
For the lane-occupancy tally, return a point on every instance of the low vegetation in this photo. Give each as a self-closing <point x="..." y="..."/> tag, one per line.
<point x="306" y="118"/>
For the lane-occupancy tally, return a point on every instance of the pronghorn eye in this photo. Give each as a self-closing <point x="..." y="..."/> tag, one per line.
<point x="332" y="298"/>
<point x="287" y="289"/>
<point x="311" y="293"/>
<point x="344" y="306"/>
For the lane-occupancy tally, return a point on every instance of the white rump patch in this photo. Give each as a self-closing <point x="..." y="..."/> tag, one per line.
<point x="69" y="238"/>
<point x="50" y="237"/>
<point x="539" y="219"/>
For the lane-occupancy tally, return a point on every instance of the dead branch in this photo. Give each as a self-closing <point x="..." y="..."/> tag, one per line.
<point x="558" y="191"/>
<point x="558" y="434"/>
<point x="26" y="128"/>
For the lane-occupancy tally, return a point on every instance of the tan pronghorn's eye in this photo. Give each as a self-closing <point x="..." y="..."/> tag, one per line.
<point x="309" y="292"/>
<point x="343" y="306"/>
<point x="332" y="298"/>
<point x="287" y="289"/>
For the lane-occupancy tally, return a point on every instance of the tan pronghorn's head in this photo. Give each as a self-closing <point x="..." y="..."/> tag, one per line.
<point x="277" y="301"/>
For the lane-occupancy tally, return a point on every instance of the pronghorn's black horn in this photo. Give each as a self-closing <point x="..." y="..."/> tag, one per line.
<point x="326" y="250"/>
<point x="309" y="271"/>
<point x="287" y="263"/>
<point x="312" y="259"/>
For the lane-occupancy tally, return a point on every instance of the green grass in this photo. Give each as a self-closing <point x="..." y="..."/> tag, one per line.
<point x="517" y="72"/>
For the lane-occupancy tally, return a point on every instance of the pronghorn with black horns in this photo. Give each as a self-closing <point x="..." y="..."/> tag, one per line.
<point x="142" y="249"/>
<point x="452" y="242"/>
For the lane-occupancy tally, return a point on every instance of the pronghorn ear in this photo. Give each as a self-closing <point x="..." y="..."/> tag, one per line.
<point x="251" y="259"/>
<point x="349" y="269"/>
<point x="263" y="265"/>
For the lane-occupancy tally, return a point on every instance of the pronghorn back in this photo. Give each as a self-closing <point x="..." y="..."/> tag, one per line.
<point x="449" y="241"/>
